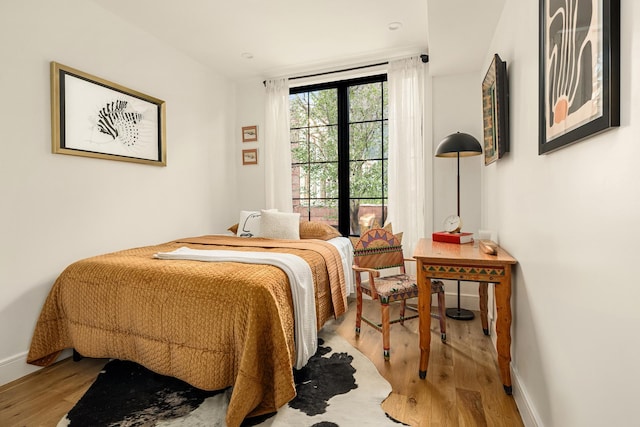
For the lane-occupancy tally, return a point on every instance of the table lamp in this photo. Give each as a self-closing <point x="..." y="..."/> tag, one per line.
<point x="459" y="145"/>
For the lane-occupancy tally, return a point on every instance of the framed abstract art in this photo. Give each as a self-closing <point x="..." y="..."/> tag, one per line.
<point x="579" y="72"/>
<point x="495" y="111"/>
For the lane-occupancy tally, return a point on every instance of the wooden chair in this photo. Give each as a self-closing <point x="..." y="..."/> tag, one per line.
<point x="378" y="249"/>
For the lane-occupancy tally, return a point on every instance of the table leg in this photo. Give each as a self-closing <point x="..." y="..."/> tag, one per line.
<point x="424" y="308"/>
<point x="503" y="329"/>
<point x="484" y="307"/>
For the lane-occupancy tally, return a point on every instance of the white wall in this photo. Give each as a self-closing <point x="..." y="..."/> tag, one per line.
<point x="457" y="107"/>
<point x="571" y="220"/>
<point x="250" y="100"/>
<point x="56" y="209"/>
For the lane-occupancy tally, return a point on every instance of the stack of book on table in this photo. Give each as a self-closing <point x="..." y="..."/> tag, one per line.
<point x="445" y="236"/>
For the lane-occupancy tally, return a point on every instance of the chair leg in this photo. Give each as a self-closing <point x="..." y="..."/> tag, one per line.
<point x="441" y="311"/>
<point x="403" y="306"/>
<point x="358" y="311"/>
<point x="385" y="330"/>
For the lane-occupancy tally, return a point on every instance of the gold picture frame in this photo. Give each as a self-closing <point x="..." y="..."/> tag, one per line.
<point x="93" y="117"/>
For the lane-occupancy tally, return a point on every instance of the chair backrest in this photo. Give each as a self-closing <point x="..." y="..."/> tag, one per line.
<point x="378" y="249"/>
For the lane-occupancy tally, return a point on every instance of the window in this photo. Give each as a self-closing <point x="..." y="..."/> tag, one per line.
<point x="339" y="141"/>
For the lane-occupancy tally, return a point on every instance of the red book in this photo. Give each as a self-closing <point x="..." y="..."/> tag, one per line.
<point x="459" y="238"/>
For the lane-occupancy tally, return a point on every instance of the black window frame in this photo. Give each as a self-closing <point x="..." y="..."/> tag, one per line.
<point x="344" y="197"/>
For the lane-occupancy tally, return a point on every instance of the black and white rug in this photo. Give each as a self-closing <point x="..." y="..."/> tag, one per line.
<point x="338" y="387"/>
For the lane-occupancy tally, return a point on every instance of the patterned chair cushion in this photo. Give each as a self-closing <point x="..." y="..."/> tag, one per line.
<point x="399" y="285"/>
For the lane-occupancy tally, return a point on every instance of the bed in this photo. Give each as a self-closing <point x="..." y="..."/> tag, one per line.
<point x="212" y="324"/>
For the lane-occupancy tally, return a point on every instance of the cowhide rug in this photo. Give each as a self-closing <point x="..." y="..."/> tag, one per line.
<point x="338" y="387"/>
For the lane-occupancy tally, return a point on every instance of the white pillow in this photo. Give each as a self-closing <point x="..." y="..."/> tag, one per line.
<point x="280" y="225"/>
<point x="249" y="223"/>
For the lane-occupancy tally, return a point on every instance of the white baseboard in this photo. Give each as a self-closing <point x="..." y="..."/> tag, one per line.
<point x="528" y="413"/>
<point x="15" y="367"/>
<point x="468" y="301"/>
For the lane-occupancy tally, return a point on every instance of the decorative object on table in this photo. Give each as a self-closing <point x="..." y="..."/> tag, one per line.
<point x="335" y="379"/>
<point x="488" y="247"/>
<point x="250" y="157"/>
<point x="375" y="250"/>
<point x="452" y="234"/>
<point x="459" y="238"/>
<point x="459" y="145"/>
<point x="452" y="224"/>
<point x="495" y="110"/>
<point x="93" y="117"/>
<point x="249" y="133"/>
<point x="579" y="70"/>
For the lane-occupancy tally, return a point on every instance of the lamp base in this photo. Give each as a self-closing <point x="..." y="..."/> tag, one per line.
<point x="459" y="314"/>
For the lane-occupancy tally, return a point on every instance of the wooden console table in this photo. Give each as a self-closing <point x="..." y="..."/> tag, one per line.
<point x="436" y="260"/>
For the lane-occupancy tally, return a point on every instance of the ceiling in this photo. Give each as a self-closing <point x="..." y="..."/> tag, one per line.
<point x="257" y="38"/>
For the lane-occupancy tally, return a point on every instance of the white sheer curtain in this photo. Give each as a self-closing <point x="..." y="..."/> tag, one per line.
<point x="277" y="146"/>
<point x="407" y="207"/>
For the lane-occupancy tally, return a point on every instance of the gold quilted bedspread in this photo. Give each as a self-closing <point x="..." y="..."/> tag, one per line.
<point x="211" y="324"/>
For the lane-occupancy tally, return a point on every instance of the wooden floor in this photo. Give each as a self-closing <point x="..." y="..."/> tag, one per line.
<point x="41" y="399"/>
<point x="462" y="387"/>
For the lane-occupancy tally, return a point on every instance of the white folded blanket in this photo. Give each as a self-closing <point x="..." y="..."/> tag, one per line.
<point x="300" y="280"/>
<point x="345" y="248"/>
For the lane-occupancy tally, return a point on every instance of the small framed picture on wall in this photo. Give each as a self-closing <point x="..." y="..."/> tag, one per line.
<point x="250" y="157"/>
<point x="249" y="133"/>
